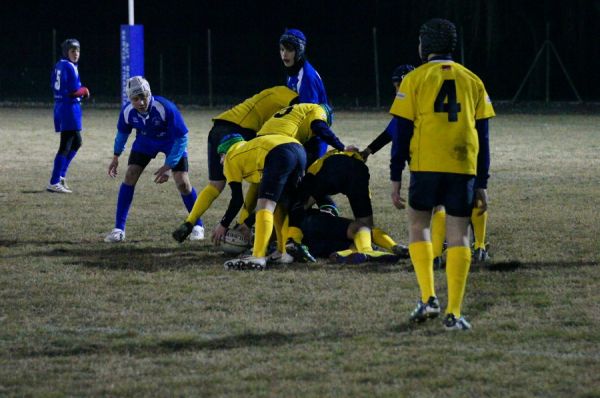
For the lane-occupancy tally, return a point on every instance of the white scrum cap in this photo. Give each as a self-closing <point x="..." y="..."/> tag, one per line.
<point x="137" y="85"/>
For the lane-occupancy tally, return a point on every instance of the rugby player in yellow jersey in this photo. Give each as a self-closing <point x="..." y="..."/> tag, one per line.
<point x="443" y="111"/>
<point x="305" y="122"/>
<point x="345" y="173"/>
<point x="245" y="119"/>
<point x="277" y="163"/>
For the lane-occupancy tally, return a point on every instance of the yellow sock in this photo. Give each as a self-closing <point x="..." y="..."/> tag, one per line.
<point x="381" y="239"/>
<point x="295" y="233"/>
<point x="458" y="262"/>
<point x="280" y="223"/>
<point x="362" y="241"/>
<point x="421" y="256"/>
<point x="249" y="203"/>
<point x="262" y="233"/>
<point x="438" y="232"/>
<point x="204" y="200"/>
<point x="479" y="228"/>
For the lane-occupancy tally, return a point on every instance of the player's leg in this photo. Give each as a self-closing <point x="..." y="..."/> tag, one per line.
<point x="458" y="203"/>
<point x="479" y="223"/>
<point x="74" y="148"/>
<point x="136" y="164"/>
<point x="61" y="160"/>
<point x="438" y="234"/>
<point x="247" y="210"/>
<point x="383" y="240"/>
<point x="283" y="168"/>
<point x="188" y="194"/>
<point x="421" y="201"/>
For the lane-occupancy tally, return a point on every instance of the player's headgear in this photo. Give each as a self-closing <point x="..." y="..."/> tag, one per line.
<point x="295" y="39"/>
<point x="329" y="210"/>
<point x="137" y="85"/>
<point x="67" y="45"/>
<point x="227" y="142"/>
<point x="329" y="112"/>
<point x="400" y="71"/>
<point x="437" y="36"/>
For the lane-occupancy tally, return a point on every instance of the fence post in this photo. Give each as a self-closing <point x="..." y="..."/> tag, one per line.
<point x="376" y="62"/>
<point x="210" y="76"/>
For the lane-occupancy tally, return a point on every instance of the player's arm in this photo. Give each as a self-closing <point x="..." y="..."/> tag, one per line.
<point x="322" y="130"/>
<point x="382" y="140"/>
<point x="72" y="86"/>
<point x="118" y="149"/>
<point x="235" y="204"/>
<point x="401" y="136"/>
<point x="483" y="164"/>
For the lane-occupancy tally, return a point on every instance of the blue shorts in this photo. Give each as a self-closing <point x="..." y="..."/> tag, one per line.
<point x="67" y="116"/>
<point x="430" y="189"/>
<point x="284" y="167"/>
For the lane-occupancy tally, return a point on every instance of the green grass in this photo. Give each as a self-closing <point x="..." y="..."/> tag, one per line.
<point x="151" y="317"/>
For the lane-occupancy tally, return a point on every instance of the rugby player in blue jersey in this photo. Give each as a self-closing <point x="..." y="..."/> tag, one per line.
<point x="302" y="78"/>
<point x="160" y="128"/>
<point x="68" y="93"/>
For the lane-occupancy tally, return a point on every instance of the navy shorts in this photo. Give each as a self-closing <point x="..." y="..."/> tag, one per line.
<point x="284" y="167"/>
<point x="453" y="191"/>
<point x="220" y="129"/>
<point x="142" y="160"/>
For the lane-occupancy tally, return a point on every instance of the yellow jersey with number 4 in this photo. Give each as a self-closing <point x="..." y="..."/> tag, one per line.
<point x="443" y="99"/>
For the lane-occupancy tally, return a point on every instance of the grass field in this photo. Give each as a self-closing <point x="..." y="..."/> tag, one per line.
<point x="151" y="317"/>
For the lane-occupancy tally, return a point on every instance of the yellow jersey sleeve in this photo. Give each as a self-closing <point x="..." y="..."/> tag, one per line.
<point x="256" y="110"/>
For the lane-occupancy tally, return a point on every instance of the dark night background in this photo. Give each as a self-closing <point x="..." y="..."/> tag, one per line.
<point x="500" y="40"/>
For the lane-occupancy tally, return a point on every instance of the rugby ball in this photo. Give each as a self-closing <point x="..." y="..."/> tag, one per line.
<point x="234" y="242"/>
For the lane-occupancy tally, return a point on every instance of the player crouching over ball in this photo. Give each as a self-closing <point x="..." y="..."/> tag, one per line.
<point x="276" y="163"/>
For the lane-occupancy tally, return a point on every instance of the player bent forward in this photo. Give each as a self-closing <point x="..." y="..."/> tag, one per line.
<point x="160" y="128"/>
<point x="277" y="163"/>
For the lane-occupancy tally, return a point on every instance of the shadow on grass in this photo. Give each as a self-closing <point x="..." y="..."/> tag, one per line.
<point x="146" y="259"/>
<point x="152" y="346"/>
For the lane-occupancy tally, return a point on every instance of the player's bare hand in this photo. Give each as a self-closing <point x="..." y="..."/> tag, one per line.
<point x="112" y="167"/>
<point x="397" y="200"/>
<point x="481" y="200"/>
<point x="162" y="174"/>
<point x="351" y="148"/>
<point x="365" y="154"/>
<point x="218" y="234"/>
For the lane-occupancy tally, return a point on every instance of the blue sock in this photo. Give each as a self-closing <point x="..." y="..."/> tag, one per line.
<point x="70" y="156"/>
<point x="189" y="201"/>
<point x="59" y="162"/>
<point x="123" y="203"/>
